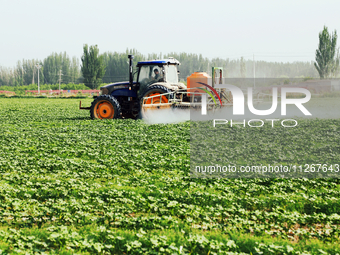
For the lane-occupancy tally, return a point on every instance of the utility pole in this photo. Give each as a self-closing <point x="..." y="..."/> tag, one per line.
<point x="60" y="74"/>
<point x="38" y="67"/>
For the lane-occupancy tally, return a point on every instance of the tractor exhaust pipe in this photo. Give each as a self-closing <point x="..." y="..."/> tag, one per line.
<point x="130" y="71"/>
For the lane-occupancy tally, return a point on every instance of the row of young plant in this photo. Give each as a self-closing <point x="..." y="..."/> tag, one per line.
<point x="100" y="240"/>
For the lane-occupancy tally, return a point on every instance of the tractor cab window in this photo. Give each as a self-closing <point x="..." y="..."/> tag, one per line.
<point x="143" y="73"/>
<point x="149" y="74"/>
<point x="171" y="74"/>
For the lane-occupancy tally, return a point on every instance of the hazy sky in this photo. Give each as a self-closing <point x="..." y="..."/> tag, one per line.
<point x="272" y="30"/>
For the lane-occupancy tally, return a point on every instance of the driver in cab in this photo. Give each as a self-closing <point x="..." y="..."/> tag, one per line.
<point x="157" y="75"/>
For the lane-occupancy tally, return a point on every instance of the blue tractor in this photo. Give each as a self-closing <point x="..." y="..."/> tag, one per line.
<point x="124" y="99"/>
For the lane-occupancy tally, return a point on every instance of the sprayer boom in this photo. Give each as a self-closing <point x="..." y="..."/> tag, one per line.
<point x="185" y="99"/>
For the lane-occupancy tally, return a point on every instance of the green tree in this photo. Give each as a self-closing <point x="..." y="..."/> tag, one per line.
<point x="326" y="63"/>
<point x="74" y="70"/>
<point x="243" y="68"/>
<point x="29" y="72"/>
<point x="52" y="65"/>
<point x="93" y="67"/>
<point x="56" y="62"/>
<point x="117" y="65"/>
<point x="335" y="64"/>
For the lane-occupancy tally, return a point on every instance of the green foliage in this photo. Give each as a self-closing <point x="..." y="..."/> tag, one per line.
<point x="193" y="62"/>
<point x="55" y="63"/>
<point x="190" y="63"/>
<point x="21" y="89"/>
<point x="325" y="56"/>
<point x="310" y="142"/>
<point x="286" y="81"/>
<point x="74" y="185"/>
<point x="117" y="67"/>
<point x="307" y="78"/>
<point x="93" y="66"/>
<point x="28" y="71"/>
<point x="242" y="68"/>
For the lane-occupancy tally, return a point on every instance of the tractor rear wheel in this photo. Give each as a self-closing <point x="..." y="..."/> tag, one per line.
<point x="155" y="91"/>
<point x="105" y="107"/>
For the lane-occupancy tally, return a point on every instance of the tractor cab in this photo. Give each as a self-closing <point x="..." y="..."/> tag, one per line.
<point x="162" y="72"/>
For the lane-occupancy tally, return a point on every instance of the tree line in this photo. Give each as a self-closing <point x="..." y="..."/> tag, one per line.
<point x="116" y="65"/>
<point x="108" y="66"/>
<point x="95" y="68"/>
<point x="26" y="72"/>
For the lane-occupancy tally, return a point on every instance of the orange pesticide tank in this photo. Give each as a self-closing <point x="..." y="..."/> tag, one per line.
<point x="194" y="79"/>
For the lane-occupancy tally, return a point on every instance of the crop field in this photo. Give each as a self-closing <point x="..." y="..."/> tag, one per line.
<point x="72" y="185"/>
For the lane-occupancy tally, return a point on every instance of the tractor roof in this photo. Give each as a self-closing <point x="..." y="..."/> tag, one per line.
<point x="161" y="62"/>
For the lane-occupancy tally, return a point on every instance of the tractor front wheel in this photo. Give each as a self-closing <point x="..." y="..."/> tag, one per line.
<point x="105" y="107"/>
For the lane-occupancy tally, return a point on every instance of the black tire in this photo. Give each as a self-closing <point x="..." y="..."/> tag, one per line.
<point x="105" y="107"/>
<point x="154" y="89"/>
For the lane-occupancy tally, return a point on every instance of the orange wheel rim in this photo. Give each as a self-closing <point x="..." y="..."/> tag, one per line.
<point x="156" y="100"/>
<point x="104" y="110"/>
